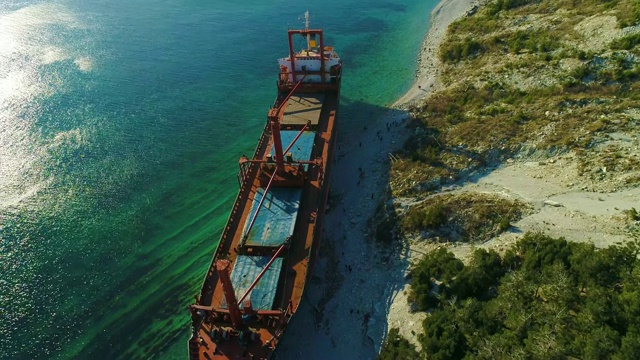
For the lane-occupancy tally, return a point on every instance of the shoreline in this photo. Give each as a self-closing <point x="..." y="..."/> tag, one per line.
<point x="352" y="301"/>
<point x="428" y="70"/>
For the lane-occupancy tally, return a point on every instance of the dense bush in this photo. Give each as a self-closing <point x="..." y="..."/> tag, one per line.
<point x="397" y="348"/>
<point x="443" y="340"/>
<point x="477" y="279"/>
<point x="419" y="218"/>
<point x="439" y="265"/>
<point x="545" y="298"/>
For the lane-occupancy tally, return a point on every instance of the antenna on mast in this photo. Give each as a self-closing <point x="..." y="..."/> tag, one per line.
<point x="306" y="27"/>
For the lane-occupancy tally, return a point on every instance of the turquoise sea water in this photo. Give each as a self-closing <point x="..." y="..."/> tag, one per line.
<point x="121" y="123"/>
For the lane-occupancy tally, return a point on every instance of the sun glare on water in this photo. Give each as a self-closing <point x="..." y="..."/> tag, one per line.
<point x="32" y="49"/>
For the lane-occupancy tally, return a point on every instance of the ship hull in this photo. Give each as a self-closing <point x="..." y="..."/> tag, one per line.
<point x="300" y="197"/>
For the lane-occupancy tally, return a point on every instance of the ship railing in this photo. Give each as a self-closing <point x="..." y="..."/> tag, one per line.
<point x="322" y="178"/>
<point x="245" y="185"/>
<point x="331" y="84"/>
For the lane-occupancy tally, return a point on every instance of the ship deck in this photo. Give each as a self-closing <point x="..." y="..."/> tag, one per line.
<point x="293" y="213"/>
<point x="303" y="108"/>
<point x="275" y="222"/>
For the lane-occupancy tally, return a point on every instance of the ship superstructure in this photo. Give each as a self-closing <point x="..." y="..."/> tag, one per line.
<point x="264" y="258"/>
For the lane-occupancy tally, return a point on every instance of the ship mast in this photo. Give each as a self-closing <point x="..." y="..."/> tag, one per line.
<point x="275" y="114"/>
<point x="306" y="28"/>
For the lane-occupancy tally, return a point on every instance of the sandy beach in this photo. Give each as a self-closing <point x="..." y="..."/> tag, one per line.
<point x="428" y="62"/>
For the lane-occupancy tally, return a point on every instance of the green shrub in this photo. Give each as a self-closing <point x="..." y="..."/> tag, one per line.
<point x="626" y="43"/>
<point x="580" y="72"/>
<point x="430" y="154"/>
<point x="629" y="15"/>
<point x="632" y="214"/>
<point x="397" y="347"/>
<point x="539" y="250"/>
<point x="557" y="300"/>
<point x="456" y="51"/>
<point x="532" y="41"/>
<point x="441" y="340"/>
<point x="504" y="224"/>
<point x="440" y="265"/>
<point x="431" y="217"/>
<point x="501" y="5"/>
<point x="434" y="216"/>
<point x="477" y="24"/>
<point x="479" y="276"/>
<point x="463" y="216"/>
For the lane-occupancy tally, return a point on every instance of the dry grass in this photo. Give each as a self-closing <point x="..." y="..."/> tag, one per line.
<point x="463" y="217"/>
<point x="519" y="79"/>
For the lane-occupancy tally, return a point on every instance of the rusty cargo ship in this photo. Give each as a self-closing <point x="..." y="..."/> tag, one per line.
<point x="264" y="258"/>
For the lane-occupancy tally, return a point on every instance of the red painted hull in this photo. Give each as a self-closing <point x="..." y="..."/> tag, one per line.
<point x="216" y="335"/>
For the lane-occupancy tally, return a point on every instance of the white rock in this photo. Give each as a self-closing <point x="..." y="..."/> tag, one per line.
<point x="552" y="203"/>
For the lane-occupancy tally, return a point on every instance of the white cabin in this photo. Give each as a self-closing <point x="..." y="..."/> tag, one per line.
<point x="309" y="60"/>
